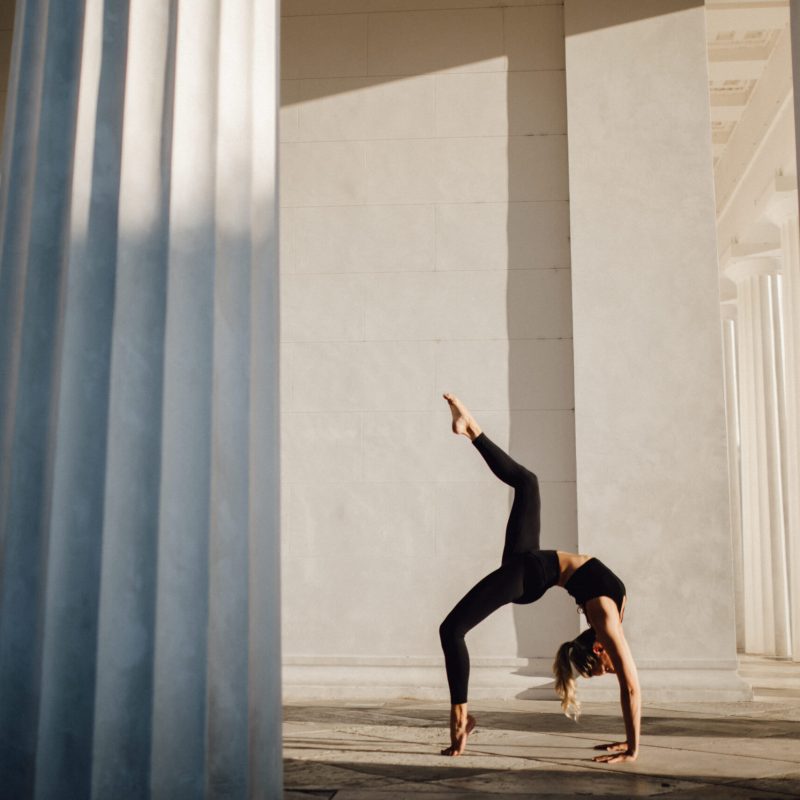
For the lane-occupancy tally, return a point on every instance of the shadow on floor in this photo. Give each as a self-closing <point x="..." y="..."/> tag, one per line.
<point x="359" y="780"/>
<point x="525" y="749"/>
<point x="735" y="727"/>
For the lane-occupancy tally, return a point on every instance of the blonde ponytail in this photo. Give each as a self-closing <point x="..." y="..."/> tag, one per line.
<point x="572" y="659"/>
<point x="565" y="684"/>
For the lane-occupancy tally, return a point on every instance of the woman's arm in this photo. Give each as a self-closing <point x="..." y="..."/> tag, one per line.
<point x="608" y="630"/>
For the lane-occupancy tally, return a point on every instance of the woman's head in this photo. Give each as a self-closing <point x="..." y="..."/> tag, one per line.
<point x="581" y="656"/>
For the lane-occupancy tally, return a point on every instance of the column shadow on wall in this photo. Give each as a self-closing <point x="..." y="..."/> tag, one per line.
<point x="537" y="275"/>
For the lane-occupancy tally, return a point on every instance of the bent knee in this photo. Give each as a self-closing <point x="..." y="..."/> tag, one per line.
<point x="445" y="631"/>
<point x="528" y="481"/>
<point x="450" y="631"/>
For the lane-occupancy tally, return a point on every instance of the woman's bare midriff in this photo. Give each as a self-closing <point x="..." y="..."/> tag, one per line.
<point x="568" y="563"/>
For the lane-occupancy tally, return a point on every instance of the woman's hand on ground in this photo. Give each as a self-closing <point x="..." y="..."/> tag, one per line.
<point x="617" y="758"/>
<point x="612" y="746"/>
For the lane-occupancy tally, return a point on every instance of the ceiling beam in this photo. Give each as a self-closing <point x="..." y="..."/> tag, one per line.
<point x="745" y="17"/>
<point x="726" y="113"/>
<point x="744" y="66"/>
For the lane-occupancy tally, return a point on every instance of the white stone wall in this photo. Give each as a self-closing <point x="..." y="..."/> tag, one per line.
<point x="424" y="249"/>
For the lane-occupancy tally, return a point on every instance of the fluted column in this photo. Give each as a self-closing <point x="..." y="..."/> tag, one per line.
<point x="734" y="468"/>
<point x="783" y="211"/>
<point x="763" y="529"/>
<point x="139" y="599"/>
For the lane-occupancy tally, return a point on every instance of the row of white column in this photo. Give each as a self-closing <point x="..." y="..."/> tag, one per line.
<point x="762" y="344"/>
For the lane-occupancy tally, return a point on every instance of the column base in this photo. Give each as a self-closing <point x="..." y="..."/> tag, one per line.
<point x="507" y="679"/>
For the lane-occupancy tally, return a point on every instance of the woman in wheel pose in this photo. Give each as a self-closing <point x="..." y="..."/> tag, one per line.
<point x="525" y="574"/>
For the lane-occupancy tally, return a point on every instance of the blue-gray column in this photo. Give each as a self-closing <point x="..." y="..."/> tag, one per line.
<point x="139" y="596"/>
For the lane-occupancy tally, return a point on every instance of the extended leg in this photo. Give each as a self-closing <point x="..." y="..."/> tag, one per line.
<point x="522" y="529"/>
<point x="503" y="466"/>
<point x="523" y="526"/>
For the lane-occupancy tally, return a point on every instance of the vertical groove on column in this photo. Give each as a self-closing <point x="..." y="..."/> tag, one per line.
<point x="761" y="448"/>
<point x="69" y="651"/>
<point x="22" y="534"/>
<point x="742" y="376"/>
<point x="228" y="587"/>
<point x="780" y="395"/>
<point x="265" y="776"/>
<point x="178" y="749"/>
<point x="37" y="259"/>
<point x="18" y="171"/>
<point x="123" y="713"/>
<point x="775" y="544"/>
<point x="754" y="631"/>
<point x="760" y="632"/>
<point x="734" y="470"/>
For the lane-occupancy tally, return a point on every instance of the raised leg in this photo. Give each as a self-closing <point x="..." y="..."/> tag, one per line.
<point x="503" y="466"/>
<point x="522" y="529"/>
<point x="523" y="526"/>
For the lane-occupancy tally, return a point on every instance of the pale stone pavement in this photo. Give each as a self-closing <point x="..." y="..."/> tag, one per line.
<point x="523" y="749"/>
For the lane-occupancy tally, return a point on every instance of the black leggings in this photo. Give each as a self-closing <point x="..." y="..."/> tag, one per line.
<point x="526" y="572"/>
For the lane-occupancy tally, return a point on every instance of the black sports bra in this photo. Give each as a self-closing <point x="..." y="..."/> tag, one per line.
<point x="594" y="579"/>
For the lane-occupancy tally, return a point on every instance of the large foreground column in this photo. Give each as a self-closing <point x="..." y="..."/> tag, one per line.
<point x="652" y="467"/>
<point x="139" y="617"/>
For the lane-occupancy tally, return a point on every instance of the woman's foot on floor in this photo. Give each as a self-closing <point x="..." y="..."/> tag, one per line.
<point x="463" y="422"/>
<point x="459" y="738"/>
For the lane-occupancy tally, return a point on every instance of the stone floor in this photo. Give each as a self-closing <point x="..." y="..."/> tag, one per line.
<point x="523" y="749"/>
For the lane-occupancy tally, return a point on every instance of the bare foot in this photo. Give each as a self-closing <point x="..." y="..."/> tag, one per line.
<point x="459" y="736"/>
<point x="463" y="422"/>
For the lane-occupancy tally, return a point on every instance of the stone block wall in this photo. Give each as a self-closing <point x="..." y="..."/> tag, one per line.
<point x="424" y="248"/>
